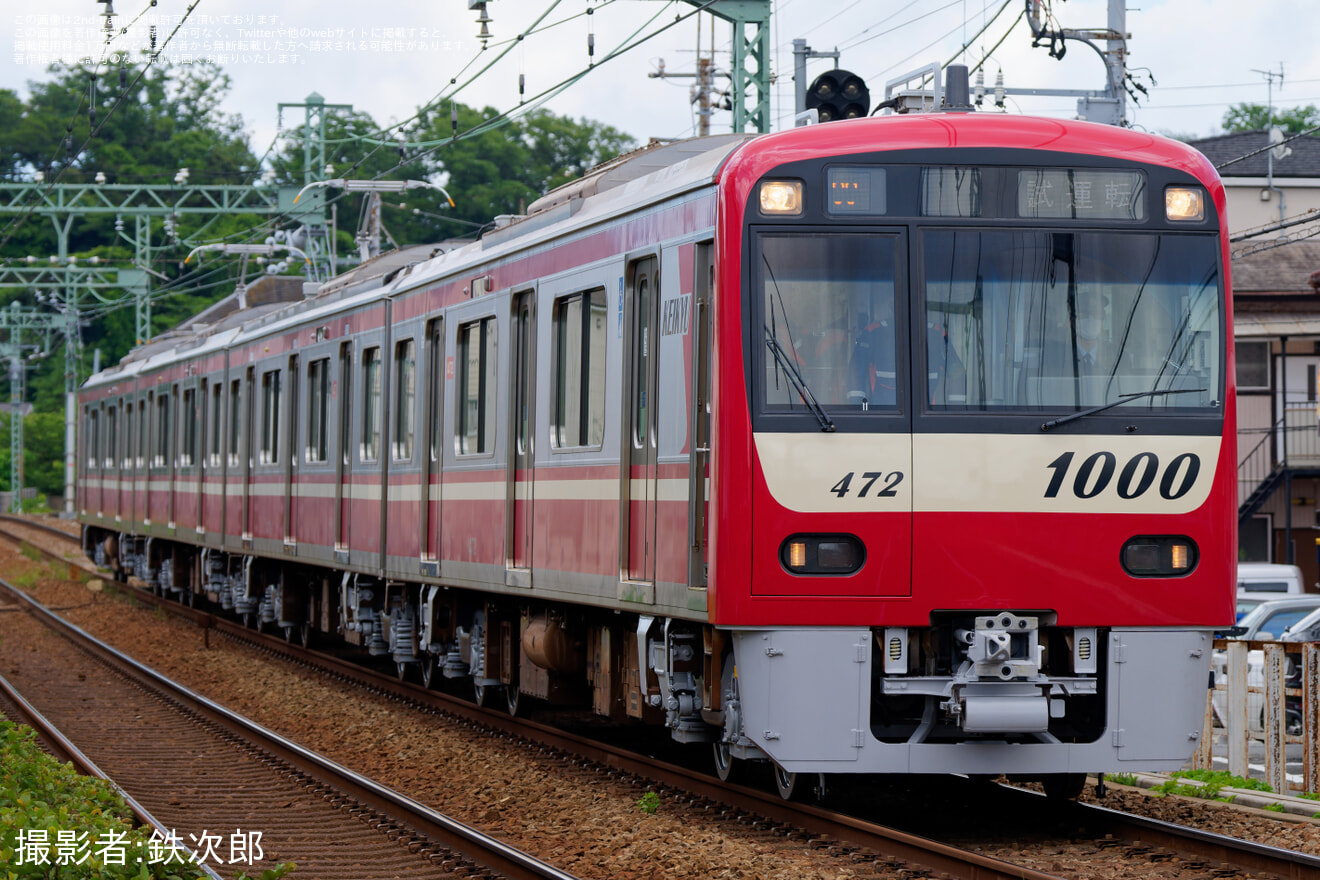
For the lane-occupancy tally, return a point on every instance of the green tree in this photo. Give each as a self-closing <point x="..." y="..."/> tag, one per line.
<point x="1256" y="117"/>
<point x="166" y="119"/>
<point x="504" y="168"/>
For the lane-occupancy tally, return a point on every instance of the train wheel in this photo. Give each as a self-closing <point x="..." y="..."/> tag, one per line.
<point x="512" y="699"/>
<point x="428" y="671"/>
<point x="401" y="670"/>
<point x="247" y="620"/>
<point x="305" y="633"/>
<point x="479" y="693"/>
<point x="791" y="786"/>
<point x="1064" y="786"/>
<point x="727" y="767"/>
<point x="288" y="633"/>
<point x="799" y="786"/>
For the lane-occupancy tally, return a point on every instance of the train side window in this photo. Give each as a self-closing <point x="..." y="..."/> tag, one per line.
<point x="318" y="409"/>
<point x="371" y="404"/>
<point x="235" y="414"/>
<point x="161" y="456"/>
<point x="217" y="436"/>
<point x="405" y="399"/>
<point x="188" y="452"/>
<point x="476" y="387"/>
<point x="129" y="436"/>
<point x="111" y="436"/>
<point x="270" y="417"/>
<point x="579" y="370"/>
<point x="141" y="449"/>
<point x="93" y="437"/>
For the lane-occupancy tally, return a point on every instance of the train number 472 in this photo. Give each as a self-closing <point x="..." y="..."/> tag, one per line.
<point x="868" y="479"/>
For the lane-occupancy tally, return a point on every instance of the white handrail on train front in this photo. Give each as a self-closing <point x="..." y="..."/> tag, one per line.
<point x="1235" y="727"/>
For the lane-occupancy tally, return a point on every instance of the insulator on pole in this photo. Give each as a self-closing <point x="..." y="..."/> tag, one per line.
<point x="522" y="86"/>
<point x="453" y="117"/>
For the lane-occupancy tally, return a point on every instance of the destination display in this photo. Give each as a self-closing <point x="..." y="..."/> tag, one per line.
<point x="855" y="189"/>
<point x="1082" y="194"/>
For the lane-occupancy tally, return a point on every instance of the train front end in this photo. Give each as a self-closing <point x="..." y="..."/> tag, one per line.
<point x="974" y="461"/>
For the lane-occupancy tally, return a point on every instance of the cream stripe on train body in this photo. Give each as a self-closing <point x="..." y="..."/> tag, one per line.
<point x="1012" y="473"/>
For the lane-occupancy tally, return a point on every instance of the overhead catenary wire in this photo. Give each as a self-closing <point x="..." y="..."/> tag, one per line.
<point x="18" y="221"/>
<point x="1270" y="146"/>
<point x="628" y="44"/>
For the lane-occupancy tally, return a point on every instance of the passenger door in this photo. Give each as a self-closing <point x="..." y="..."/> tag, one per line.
<point x="699" y="420"/>
<point x="344" y="468"/>
<point x="639" y="460"/>
<point x="520" y="473"/>
<point x="433" y="417"/>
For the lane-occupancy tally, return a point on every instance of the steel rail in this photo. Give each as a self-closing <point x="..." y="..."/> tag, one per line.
<point x="445" y="831"/>
<point x="853" y="832"/>
<point x="65" y="751"/>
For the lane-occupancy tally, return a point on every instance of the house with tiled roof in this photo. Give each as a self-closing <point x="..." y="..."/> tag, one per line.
<point x="1276" y="305"/>
<point x="1262" y="189"/>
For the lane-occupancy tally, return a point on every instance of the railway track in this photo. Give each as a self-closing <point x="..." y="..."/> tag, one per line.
<point x="201" y="770"/>
<point x="1119" y="835"/>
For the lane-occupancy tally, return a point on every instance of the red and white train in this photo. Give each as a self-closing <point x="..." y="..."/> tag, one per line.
<point x="901" y="444"/>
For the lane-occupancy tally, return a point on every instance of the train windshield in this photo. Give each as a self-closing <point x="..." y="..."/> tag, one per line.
<point x="1068" y="320"/>
<point x="829" y="326"/>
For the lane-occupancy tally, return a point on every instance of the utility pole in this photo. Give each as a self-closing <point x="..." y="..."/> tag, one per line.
<point x="1108" y="106"/>
<point x="705" y="77"/>
<point x="1280" y="152"/>
<point x="801" y="53"/>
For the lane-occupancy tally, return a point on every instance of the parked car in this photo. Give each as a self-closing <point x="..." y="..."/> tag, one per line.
<point x="1269" y="620"/>
<point x="1260" y="581"/>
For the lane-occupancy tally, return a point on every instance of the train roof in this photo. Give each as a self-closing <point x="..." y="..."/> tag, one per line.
<point x="651" y="174"/>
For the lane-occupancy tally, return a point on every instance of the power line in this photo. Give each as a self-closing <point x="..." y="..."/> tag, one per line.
<point x="1269" y="146"/>
<point x="17" y="223"/>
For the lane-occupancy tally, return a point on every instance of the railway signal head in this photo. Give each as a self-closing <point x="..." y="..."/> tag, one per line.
<point x="838" y="94"/>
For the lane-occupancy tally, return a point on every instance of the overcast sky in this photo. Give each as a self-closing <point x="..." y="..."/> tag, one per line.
<point x="389" y="57"/>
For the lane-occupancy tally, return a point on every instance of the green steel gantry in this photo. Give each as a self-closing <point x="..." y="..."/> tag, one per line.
<point x="13" y="322"/>
<point x="65" y="202"/>
<point x="751" y="45"/>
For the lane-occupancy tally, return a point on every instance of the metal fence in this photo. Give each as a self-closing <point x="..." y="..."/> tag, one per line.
<point x="1251" y="701"/>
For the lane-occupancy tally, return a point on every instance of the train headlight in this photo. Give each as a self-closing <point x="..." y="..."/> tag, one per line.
<point x="1159" y="556"/>
<point x="781" y="197"/>
<point x="822" y="554"/>
<point x="1184" y="203"/>
<point x="797" y="555"/>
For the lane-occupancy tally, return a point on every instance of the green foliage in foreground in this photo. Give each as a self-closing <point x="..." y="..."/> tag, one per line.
<point x="37" y="793"/>
<point x="649" y="803"/>
<point x="1212" y="782"/>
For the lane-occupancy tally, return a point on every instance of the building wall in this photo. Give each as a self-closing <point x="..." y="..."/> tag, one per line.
<point x="1247" y="210"/>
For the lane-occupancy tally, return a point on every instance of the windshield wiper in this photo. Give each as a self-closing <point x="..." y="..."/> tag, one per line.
<point x="799" y="383"/>
<point x="1122" y="398"/>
